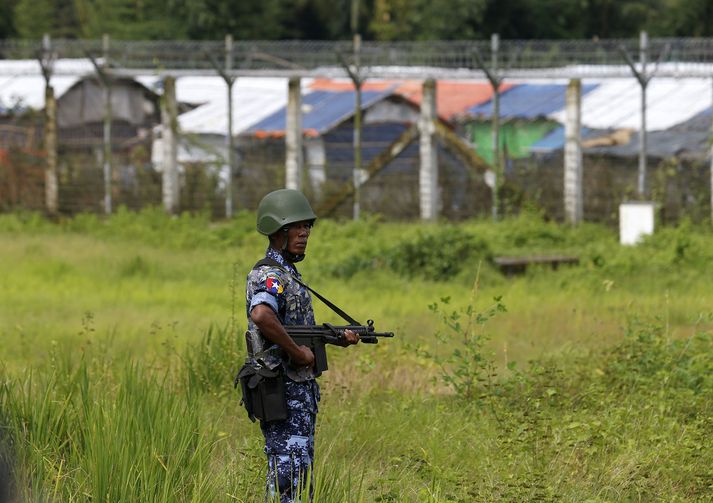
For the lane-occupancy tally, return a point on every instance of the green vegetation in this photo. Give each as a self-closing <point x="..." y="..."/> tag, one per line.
<point x="331" y="20"/>
<point x="590" y="383"/>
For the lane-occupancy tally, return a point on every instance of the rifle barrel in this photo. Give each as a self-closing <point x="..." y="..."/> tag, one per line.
<point x="321" y="330"/>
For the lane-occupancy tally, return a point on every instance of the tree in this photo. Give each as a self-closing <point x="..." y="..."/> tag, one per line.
<point x="34" y="18"/>
<point x="427" y="19"/>
<point x="254" y="20"/>
<point x="317" y="19"/>
<point x="7" y="19"/>
<point x="687" y="18"/>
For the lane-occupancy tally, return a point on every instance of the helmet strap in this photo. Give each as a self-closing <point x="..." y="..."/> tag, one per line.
<point x="289" y="256"/>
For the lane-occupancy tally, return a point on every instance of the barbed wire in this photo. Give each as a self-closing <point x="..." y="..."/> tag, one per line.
<point x="678" y="57"/>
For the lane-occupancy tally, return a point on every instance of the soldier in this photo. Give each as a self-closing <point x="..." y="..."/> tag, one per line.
<point x="275" y="299"/>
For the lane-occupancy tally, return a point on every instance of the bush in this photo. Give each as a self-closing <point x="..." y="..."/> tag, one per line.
<point x="438" y="254"/>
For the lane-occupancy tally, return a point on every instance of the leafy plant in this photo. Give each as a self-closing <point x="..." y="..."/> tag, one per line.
<point x="468" y="369"/>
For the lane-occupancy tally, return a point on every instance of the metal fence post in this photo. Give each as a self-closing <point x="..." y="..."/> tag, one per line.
<point x="495" y="47"/>
<point x="357" y="175"/>
<point x="229" y="141"/>
<point x="643" y="50"/>
<point x="108" y="117"/>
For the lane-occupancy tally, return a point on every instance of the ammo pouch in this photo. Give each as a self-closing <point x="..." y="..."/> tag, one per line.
<point x="263" y="393"/>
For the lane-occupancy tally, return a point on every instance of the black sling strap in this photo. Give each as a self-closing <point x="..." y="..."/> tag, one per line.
<point x="272" y="262"/>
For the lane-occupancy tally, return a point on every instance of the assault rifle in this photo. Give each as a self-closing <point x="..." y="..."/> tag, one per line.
<point x="315" y="337"/>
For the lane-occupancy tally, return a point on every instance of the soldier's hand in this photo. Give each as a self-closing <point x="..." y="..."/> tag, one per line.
<point x="303" y="358"/>
<point x="350" y="338"/>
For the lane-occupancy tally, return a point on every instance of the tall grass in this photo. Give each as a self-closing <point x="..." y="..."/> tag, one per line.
<point x="121" y="338"/>
<point x="87" y="432"/>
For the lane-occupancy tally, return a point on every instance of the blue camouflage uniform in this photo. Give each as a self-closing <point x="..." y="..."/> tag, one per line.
<point x="289" y="444"/>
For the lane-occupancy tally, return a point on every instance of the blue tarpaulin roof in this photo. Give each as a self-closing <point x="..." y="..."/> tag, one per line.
<point x="528" y="101"/>
<point x="321" y="111"/>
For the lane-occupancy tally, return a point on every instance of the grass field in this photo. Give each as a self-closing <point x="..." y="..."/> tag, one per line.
<point x="589" y="383"/>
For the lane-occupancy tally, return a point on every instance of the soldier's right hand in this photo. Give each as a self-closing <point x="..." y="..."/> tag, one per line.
<point x="303" y="358"/>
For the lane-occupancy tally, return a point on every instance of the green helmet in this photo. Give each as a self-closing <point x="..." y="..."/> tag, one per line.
<point x="282" y="207"/>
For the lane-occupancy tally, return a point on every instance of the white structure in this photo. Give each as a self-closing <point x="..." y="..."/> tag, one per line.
<point x="636" y="220"/>
<point x="616" y="103"/>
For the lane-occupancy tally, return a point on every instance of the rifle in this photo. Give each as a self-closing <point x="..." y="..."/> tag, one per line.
<point x="315" y="337"/>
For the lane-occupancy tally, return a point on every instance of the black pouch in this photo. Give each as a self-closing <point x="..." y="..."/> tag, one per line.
<point x="263" y="393"/>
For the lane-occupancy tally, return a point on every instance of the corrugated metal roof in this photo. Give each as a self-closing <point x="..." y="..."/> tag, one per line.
<point x="254" y="99"/>
<point x="528" y="101"/>
<point x="29" y="91"/>
<point x="22" y="84"/>
<point x="690" y="139"/>
<point x="321" y="111"/>
<point x="616" y="103"/>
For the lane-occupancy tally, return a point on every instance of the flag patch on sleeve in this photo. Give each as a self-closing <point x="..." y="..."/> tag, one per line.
<point x="273" y="284"/>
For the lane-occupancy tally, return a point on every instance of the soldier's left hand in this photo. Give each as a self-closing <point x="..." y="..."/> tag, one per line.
<point x="350" y="338"/>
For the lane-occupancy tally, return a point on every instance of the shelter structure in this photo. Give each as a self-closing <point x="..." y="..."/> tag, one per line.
<point x="679" y="131"/>
<point x="80" y="128"/>
<point x="505" y="61"/>
<point x="390" y="113"/>
<point x="525" y="112"/>
<point x="81" y="131"/>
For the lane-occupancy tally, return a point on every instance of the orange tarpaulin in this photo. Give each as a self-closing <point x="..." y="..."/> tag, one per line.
<point x="452" y="96"/>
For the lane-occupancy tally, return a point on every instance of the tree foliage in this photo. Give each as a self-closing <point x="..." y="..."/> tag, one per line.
<point x="331" y="19"/>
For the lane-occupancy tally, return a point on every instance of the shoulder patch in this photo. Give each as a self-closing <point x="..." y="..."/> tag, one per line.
<point x="273" y="284"/>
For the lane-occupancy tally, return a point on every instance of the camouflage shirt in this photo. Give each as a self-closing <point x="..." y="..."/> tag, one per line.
<point x="291" y="302"/>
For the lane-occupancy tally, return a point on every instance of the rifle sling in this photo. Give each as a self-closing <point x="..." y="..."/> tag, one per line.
<point x="332" y="306"/>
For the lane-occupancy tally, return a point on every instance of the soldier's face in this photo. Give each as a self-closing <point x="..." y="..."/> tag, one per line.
<point x="297" y="236"/>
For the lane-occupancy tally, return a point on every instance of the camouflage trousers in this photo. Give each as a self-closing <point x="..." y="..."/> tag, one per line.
<point x="289" y="445"/>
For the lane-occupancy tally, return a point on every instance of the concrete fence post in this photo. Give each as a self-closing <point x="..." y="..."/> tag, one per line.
<point x="169" y="130"/>
<point x="293" y="135"/>
<point x="50" y="141"/>
<point x="573" y="205"/>
<point x="428" y="173"/>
